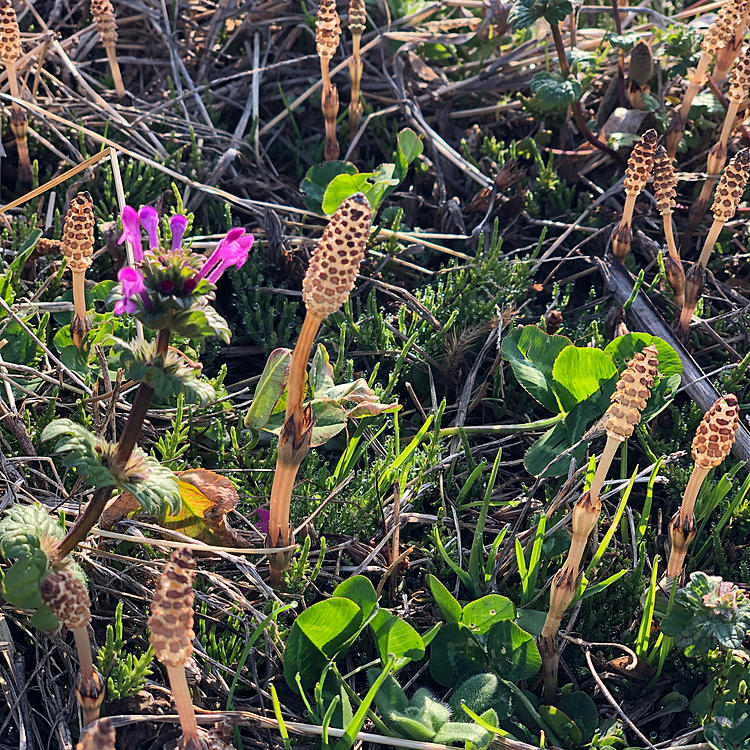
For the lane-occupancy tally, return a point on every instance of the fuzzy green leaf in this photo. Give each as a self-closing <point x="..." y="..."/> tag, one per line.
<point x="525" y="13"/>
<point x="555" y="92"/>
<point x="200" y="321"/>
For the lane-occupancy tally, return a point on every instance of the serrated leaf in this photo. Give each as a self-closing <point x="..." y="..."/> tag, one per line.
<point x="155" y="487"/>
<point x="555" y="92"/>
<point x="525" y="13"/>
<point x="200" y="321"/>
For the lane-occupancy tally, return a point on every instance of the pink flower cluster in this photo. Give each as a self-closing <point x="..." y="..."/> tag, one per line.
<point x="232" y="250"/>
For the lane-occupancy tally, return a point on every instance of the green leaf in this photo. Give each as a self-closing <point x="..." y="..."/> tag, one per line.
<point x="395" y="636"/>
<point x="513" y="653"/>
<point x="21" y="581"/>
<point x="344" y="186"/>
<point x="200" y="321"/>
<point x="329" y="419"/>
<point x="317" y="179"/>
<point x="361" y="592"/>
<point x="582" y="710"/>
<point x="454" y="653"/>
<point x="321" y="374"/>
<point x="564" y="727"/>
<point x="555" y="92"/>
<point x="446" y="602"/>
<point x="319" y="634"/>
<point x="409" y="148"/>
<point x="579" y="372"/>
<point x="269" y="390"/>
<point x="525" y="13"/>
<point x="44" y="619"/>
<point x="480" y="615"/>
<point x="532" y="354"/>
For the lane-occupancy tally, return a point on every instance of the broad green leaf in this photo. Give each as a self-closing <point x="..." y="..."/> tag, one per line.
<point x="583" y="711"/>
<point x="343" y="186"/>
<point x="409" y="148"/>
<point x="454" y="653"/>
<point x="199" y="321"/>
<point x="449" y="607"/>
<point x="330" y="419"/>
<point x="512" y="652"/>
<point x="564" y="727"/>
<point x="318" y="635"/>
<point x="532" y="354"/>
<point x="317" y="179"/>
<point x="531" y="620"/>
<point x="360" y="591"/>
<point x="552" y="91"/>
<point x="270" y="387"/>
<point x="579" y="372"/>
<point x="395" y="636"/>
<point x="20" y="347"/>
<point x="480" y="615"/>
<point x="321" y="374"/>
<point x="525" y="13"/>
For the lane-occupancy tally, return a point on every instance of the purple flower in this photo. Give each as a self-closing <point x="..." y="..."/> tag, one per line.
<point x="131" y="231"/>
<point x="178" y="224"/>
<point x="150" y="221"/>
<point x="265" y="516"/>
<point x="131" y="280"/>
<point x="231" y="251"/>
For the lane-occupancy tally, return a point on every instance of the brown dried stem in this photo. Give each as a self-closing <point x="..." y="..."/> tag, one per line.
<point x="328" y="283"/>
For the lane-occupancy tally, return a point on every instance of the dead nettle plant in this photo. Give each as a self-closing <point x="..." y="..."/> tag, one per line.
<point x="728" y="195"/>
<point x="328" y="283"/>
<point x="640" y="164"/>
<point x="711" y="445"/>
<point x="104" y="17"/>
<point x="78" y="247"/>
<point x="169" y="289"/>
<point x="11" y="51"/>
<point x="172" y="634"/>
<point x="327" y="35"/>
<point x="66" y="596"/>
<point x="665" y="194"/>
<point x="737" y="95"/>
<point x="357" y="25"/>
<point x="722" y="32"/>
<point x="623" y="415"/>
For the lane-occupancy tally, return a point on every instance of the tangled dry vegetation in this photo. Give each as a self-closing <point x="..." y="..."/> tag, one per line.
<point x="374" y="375"/>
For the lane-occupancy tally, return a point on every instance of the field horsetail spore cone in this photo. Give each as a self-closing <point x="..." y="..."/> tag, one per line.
<point x="104" y="17"/>
<point x="718" y="35"/>
<point x="738" y="93"/>
<point x="78" y="247"/>
<point x="101" y="736"/>
<point x="67" y="598"/>
<point x="711" y="445"/>
<point x="631" y="394"/>
<point x="735" y="13"/>
<point x="665" y="182"/>
<point x="328" y="32"/>
<point x="728" y="195"/>
<point x="10" y="52"/>
<point x="638" y="171"/>
<point x="328" y="283"/>
<point x="357" y="25"/>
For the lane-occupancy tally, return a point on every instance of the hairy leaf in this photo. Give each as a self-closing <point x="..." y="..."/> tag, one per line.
<point x="555" y="92"/>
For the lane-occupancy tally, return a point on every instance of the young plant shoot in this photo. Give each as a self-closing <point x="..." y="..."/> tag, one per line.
<point x="665" y="182"/>
<point x="357" y="25"/>
<point x="106" y="24"/>
<point x="623" y="415"/>
<point x="328" y="32"/>
<point x="328" y="283"/>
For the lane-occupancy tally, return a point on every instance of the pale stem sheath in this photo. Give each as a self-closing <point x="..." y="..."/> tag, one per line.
<point x="605" y="461"/>
<point x="183" y="701"/>
<point x="708" y="245"/>
<point x="696" y="81"/>
<point x="691" y="491"/>
<point x="298" y="366"/>
<point x="114" y="67"/>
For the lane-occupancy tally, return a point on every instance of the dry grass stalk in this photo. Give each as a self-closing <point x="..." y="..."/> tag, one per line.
<point x="104" y="17"/>
<point x="638" y="171"/>
<point x="78" y="247"/>
<point x="665" y="194"/>
<point x="328" y="32"/>
<point x="10" y="52"/>
<point x="641" y="70"/>
<point x="101" y="736"/>
<point x="738" y="93"/>
<point x="357" y="25"/>
<point x="328" y="283"/>
<point x="711" y="445"/>
<point x="728" y="195"/>
<point x="69" y="601"/>
<point x="628" y="401"/>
